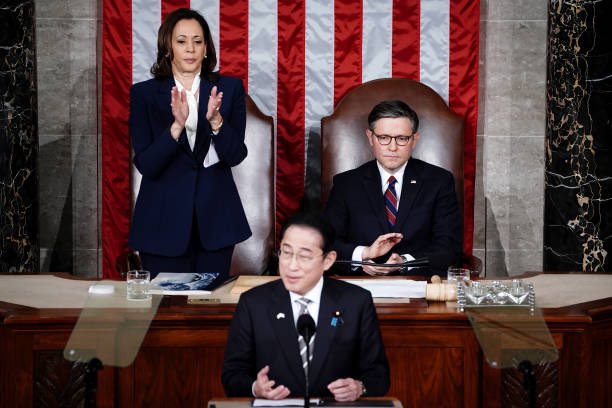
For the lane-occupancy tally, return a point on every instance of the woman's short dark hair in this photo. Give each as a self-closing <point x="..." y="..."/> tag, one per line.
<point x="163" y="65"/>
<point x="317" y="222"/>
<point x="393" y="109"/>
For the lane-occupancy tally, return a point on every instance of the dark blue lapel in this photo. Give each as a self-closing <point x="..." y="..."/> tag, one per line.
<point x="411" y="185"/>
<point x="326" y="332"/>
<point x="285" y="331"/>
<point x="373" y="191"/>
<point x="202" y="142"/>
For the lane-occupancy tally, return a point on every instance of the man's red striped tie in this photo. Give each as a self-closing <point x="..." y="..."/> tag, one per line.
<point x="391" y="202"/>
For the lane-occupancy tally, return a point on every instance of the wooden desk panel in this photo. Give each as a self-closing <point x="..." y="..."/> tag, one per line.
<point x="434" y="355"/>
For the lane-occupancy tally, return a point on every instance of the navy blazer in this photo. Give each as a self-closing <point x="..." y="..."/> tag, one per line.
<point x="428" y="214"/>
<point x="175" y="185"/>
<point x="262" y="332"/>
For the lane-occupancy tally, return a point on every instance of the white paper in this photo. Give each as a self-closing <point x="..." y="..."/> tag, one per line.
<point x="392" y="288"/>
<point x="287" y="402"/>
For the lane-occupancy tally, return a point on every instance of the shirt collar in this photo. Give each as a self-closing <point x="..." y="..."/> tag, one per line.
<point x="314" y="294"/>
<point x="195" y="85"/>
<point x="384" y="174"/>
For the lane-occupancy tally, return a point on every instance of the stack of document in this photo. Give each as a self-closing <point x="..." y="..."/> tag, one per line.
<point x="392" y="288"/>
<point x="287" y="402"/>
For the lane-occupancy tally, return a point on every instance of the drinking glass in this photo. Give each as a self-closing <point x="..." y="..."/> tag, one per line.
<point x="138" y="285"/>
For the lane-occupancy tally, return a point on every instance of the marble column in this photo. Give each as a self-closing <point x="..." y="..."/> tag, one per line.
<point x="19" y="249"/>
<point x="578" y="168"/>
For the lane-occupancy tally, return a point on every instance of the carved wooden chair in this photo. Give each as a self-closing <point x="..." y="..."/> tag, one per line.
<point x="254" y="178"/>
<point x="344" y="145"/>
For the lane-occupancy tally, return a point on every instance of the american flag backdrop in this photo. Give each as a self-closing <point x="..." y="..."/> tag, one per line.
<point x="297" y="58"/>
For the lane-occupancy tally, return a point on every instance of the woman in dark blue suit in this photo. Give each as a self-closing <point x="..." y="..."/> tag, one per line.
<point x="187" y="128"/>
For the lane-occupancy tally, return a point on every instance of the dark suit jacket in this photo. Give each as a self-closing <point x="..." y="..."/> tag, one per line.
<point x="175" y="185"/>
<point x="257" y="337"/>
<point x="428" y="214"/>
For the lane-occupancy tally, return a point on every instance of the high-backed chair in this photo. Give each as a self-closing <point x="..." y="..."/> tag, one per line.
<point x="345" y="146"/>
<point x="254" y="178"/>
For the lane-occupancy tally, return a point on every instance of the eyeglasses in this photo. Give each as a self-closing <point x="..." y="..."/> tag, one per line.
<point x="400" y="140"/>
<point x="301" y="258"/>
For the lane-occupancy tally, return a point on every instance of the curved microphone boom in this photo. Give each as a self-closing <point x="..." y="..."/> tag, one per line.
<point x="306" y="328"/>
<point x="408" y="264"/>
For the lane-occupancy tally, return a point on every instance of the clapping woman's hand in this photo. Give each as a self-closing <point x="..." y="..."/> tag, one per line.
<point x="214" y="104"/>
<point x="180" y="108"/>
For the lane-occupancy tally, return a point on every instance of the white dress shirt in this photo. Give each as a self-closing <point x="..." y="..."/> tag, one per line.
<point x="191" y="124"/>
<point x="314" y="295"/>
<point x="384" y="181"/>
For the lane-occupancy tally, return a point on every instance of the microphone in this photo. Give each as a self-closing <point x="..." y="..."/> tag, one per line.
<point x="306" y="328"/>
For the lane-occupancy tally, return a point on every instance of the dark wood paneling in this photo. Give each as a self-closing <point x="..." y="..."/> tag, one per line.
<point x="434" y="355"/>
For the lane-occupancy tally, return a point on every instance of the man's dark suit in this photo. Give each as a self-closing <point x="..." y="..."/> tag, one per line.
<point x="428" y="215"/>
<point x="175" y="185"/>
<point x="263" y="333"/>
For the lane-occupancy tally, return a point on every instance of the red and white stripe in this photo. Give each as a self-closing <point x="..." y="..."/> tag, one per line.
<point x="297" y="59"/>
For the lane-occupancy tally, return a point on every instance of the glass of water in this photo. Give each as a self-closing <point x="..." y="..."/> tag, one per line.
<point x="138" y="285"/>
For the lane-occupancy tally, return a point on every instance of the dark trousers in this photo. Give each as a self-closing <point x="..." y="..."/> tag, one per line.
<point x="195" y="259"/>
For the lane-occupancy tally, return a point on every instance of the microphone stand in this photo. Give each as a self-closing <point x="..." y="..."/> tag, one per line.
<point x="91" y="381"/>
<point x="306" y="328"/>
<point x="529" y="381"/>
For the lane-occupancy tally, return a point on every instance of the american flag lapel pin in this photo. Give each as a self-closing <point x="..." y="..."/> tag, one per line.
<point x="281" y="315"/>
<point x="412" y="181"/>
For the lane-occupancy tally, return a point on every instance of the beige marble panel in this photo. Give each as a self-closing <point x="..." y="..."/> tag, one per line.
<point x="85" y="192"/>
<point x="479" y="199"/>
<point x="514" y="196"/>
<point x="511" y="124"/>
<point x="54" y="173"/>
<point x="512" y="262"/>
<point x="482" y="75"/>
<point x="66" y="71"/>
<point x="68" y="9"/>
<point x="68" y="193"/>
<point x="85" y="263"/>
<point x="67" y="44"/>
<point x="514" y="71"/>
<point x="515" y="9"/>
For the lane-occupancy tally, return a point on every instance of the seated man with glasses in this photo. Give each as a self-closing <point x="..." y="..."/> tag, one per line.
<point x="266" y="358"/>
<point x="395" y="208"/>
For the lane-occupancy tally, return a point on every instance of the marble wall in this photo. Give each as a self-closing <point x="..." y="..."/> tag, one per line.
<point x="511" y="126"/>
<point x="578" y="205"/>
<point x="509" y="192"/>
<point x="18" y="139"/>
<point x="67" y="45"/>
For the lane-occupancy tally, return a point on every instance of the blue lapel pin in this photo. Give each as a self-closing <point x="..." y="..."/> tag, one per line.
<point x="336" y="319"/>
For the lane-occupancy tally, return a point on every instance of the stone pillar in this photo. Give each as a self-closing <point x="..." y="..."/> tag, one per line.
<point x="19" y="249"/>
<point x="578" y="169"/>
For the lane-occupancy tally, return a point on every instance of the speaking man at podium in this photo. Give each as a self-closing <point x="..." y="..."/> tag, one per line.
<point x="266" y="358"/>
<point x="395" y="208"/>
